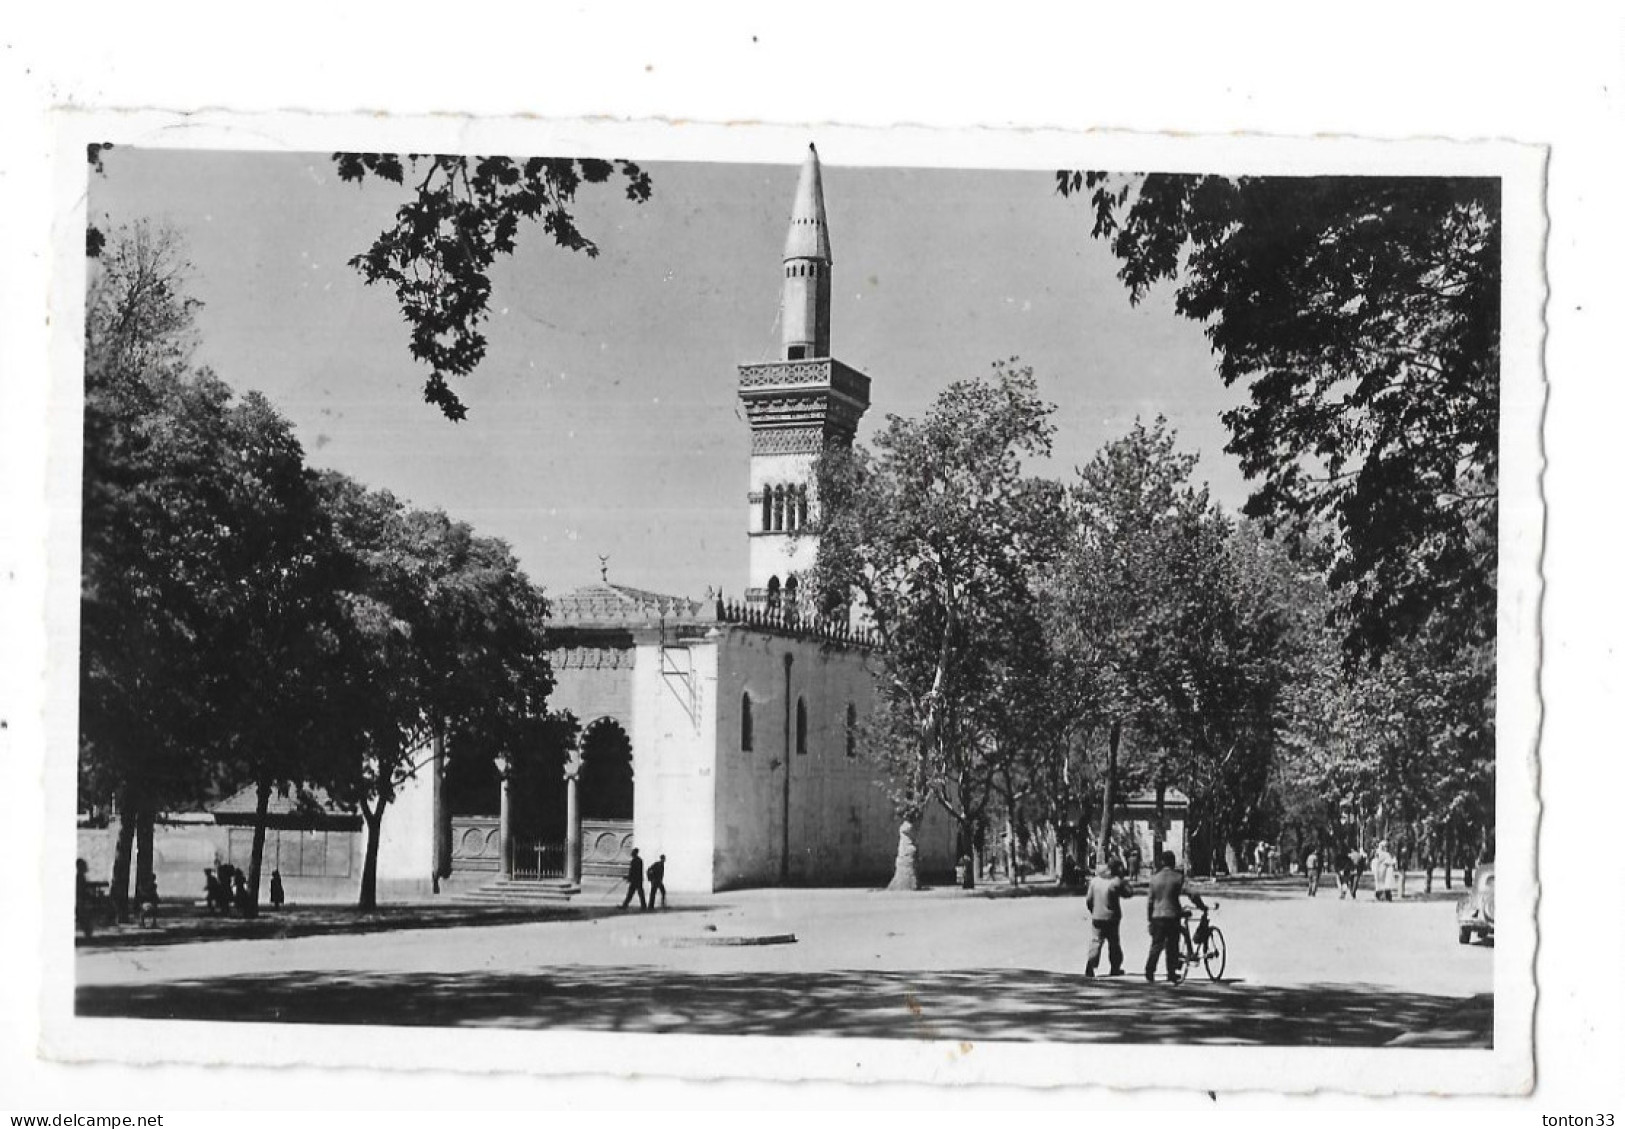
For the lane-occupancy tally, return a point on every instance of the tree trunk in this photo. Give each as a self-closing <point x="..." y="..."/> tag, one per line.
<point x="1014" y="847"/>
<point x="374" y="819"/>
<point x="256" y="856"/>
<point x="120" y="891"/>
<point x="905" y="875"/>
<point x="144" y="865"/>
<point x="1110" y="796"/>
<point x="442" y="812"/>
<point x="1156" y="836"/>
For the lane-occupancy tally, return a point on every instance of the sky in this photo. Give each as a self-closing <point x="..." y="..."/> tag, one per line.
<point x="604" y="419"/>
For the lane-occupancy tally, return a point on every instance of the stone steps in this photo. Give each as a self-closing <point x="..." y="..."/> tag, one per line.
<point x="508" y="892"/>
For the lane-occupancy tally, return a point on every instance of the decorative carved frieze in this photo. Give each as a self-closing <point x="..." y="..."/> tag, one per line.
<point x="786" y="441"/>
<point x="590" y="658"/>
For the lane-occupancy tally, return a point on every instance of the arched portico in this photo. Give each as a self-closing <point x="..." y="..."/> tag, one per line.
<point x="600" y="800"/>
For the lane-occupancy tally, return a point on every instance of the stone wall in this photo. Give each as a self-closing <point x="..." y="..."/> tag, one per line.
<point x="841" y="825"/>
<point x="183" y="850"/>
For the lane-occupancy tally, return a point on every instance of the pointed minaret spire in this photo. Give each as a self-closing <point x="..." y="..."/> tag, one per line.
<point x="807" y="268"/>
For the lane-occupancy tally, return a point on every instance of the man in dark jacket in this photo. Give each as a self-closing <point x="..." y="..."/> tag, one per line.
<point x="657" y="881"/>
<point x="1105" y="899"/>
<point x="1164" y="910"/>
<point x="634" y="881"/>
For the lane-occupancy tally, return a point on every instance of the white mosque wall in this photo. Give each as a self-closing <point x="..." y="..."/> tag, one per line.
<point x="673" y="734"/>
<point x="593" y="682"/>
<point x="842" y="827"/>
<point x="406" y="844"/>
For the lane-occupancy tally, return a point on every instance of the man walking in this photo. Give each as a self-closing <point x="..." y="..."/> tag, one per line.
<point x="634" y="881"/>
<point x="657" y="882"/>
<point x="1163" y="911"/>
<point x="1311" y="865"/>
<point x="1105" y="900"/>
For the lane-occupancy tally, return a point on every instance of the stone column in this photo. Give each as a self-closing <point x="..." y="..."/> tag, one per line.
<point x="505" y="823"/>
<point x="572" y="823"/>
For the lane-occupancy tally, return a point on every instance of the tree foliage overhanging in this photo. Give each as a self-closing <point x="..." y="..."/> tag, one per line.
<point x="463" y="213"/>
<point x="1362" y="314"/>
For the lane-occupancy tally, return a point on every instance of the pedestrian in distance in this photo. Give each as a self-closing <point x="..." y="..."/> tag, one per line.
<point x="1384" y="872"/>
<point x="1311" y="866"/>
<point x="1164" y="911"/>
<point x="1105" y="900"/>
<point x="277" y="893"/>
<point x="214" y="894"/>
<point x="84" y="898"/>
<point x="657" y="882"/>
<point x="146" y="901"/>
<point x="634" y="881"/>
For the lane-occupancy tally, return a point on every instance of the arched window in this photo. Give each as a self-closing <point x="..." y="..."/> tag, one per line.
<point x="792" y="590"/>
<point x="767" y="510"/>
<point x="772" y="593"/>
<point x="801" y="727"/>
<point x="778" y="507"/>
<point x="851" y="730"/>
<point x="801" y="507"/>
<point x="747" y="725"/>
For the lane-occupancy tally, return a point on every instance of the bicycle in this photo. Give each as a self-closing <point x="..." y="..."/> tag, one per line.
<point x="1206" y="947"/>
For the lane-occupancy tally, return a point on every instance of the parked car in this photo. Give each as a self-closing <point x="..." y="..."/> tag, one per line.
<point x="1475" y="916"/>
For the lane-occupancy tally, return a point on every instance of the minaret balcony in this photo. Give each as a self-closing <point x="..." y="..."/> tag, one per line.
<point x="818" y="397"/>
<point x="815" y="374"/>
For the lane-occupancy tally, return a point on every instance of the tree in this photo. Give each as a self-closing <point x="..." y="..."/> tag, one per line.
<point x="199" y="555"/>
<point x="939" y="533"/>
<point x="443" y="641"/>
<point x="1263" y="615"/>
<point x="1129" y="601"/>
<point x="268" y="632"/>
<point x="1363" y="316"/>
<point x="465" y="211"/>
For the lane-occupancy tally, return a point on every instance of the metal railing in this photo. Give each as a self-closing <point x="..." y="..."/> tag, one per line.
<point x="535" y="859"/>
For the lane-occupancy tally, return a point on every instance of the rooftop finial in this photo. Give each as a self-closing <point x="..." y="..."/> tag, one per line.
<point x="603" y="567"/>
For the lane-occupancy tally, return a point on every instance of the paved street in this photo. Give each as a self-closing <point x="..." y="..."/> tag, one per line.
<point x="933" y="965"/>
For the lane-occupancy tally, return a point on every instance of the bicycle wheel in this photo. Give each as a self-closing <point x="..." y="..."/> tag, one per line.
<point x="1214" y="954"/>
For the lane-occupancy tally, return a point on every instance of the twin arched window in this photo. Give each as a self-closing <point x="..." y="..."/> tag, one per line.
<point x="784" y="508"/>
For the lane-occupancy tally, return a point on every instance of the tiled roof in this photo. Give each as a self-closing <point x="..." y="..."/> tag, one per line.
<point x="244" y="801"/>
<point x="618" y="603"/>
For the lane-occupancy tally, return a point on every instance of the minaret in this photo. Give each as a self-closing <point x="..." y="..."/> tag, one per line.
<point x="797" y="405"/>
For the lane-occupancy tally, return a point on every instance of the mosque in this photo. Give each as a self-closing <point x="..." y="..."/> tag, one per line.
<point x="723" y="736"/>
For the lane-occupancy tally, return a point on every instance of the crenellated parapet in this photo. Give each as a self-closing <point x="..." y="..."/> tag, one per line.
<point x="788" y="620"/>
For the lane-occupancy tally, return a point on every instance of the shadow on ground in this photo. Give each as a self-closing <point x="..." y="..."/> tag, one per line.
<point x="185" y="925"/>
<point x="1020" y="1005"/>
